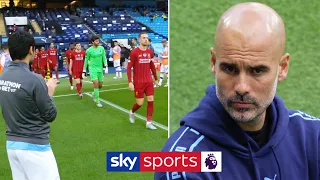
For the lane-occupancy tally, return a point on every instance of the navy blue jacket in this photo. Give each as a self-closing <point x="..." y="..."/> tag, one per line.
<point x="292" y="152"/>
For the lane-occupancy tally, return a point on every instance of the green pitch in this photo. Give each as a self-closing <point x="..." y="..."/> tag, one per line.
<point x="83" y="133"/>
<point x="192" y="29"/>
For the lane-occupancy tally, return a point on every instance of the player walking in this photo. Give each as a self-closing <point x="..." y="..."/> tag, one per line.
<point x="96" y="59"/>
<point x="53" y="60"/>
<point x="43" y="61"/>
<point x="76" y="66"/>
<point x="116" y="60"/>
<point x="164" y="64"/>
<point x="68" y="56"/>
<point x="141" y="61"/>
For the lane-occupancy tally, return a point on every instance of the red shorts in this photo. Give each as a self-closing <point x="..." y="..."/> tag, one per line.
<point x="43" y="67"/>
<point x="53" y="65"/>
<point x="77" y="75"/>
<point x="143" y="88"/>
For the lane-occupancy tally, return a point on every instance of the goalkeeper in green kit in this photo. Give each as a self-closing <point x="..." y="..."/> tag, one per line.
<point x="96" y="59"/>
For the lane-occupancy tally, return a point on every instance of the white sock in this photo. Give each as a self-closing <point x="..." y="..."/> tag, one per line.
<point x="120" y="74"/>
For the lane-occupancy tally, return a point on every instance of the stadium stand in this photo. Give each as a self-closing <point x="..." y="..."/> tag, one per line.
<point x="63" y="26"/>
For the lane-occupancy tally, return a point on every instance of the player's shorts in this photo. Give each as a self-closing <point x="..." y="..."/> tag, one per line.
<point x="53" y="65"/>
<point x="77" y="74"/>
<point x="143" y="88"/>
<point x="35" y="165"/>
<point x="96" y="76"/>
<point x="43" y="67"/>
<point x="116" y="63"/>
<point x="164" y="68"/>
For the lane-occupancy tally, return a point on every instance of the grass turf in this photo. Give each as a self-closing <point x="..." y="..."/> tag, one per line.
<point x="83" y="133"/>
<point x="192" y="30"/>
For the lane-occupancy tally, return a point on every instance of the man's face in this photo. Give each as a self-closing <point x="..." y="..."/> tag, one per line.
<point x="96" y="42"/>
<point x="42" y="48"/>
<point x="37" y="50"/>
<point x="144" y="39"/>
<point x="78" y="47"/>
<point x="164" y="44"/>
<point x="134" y="42"/>
<point x="71" y="46"/>
<point x="246" y="75"/>
<point x="51" y="45"/>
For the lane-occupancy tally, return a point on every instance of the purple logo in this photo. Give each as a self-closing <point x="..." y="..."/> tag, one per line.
<point x="211" y="162"/>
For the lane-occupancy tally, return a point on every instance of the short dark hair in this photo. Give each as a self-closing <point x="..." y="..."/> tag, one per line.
<point x="19" y="44"/>
<point x="94" y="37"/>
<point x="142" y="33"/>
<point x="77" y="43"/>
<point x="71" y="43"/>
<point x="135" y="39"/>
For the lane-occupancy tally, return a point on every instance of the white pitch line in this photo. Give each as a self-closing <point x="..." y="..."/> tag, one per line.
<point x="64" y="95"/>
<point x="127" y="111"/>
<point x="107" y="84"/>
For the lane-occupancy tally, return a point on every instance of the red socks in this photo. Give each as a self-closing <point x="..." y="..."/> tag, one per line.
<point x="81" y="84"/>
<point x="57" y="75"/>
<point x="70" y="80"/>
<point x="135" y="107"/>
<point x="78" y="88"/>
<point x="149" y="111"/>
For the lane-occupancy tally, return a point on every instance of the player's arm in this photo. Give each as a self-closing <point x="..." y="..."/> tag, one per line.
<point x="130" y="65"/>
<point x="44" y="102"/>
<point x="153" y="68"/>
<point x="71" y="62"/>
<point x="104" y="58"/>
<point x="115" y="51"/>
<point x="87" y="58"/>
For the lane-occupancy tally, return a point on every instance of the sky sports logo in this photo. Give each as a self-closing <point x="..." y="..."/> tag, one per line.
<point x="164" y="161"/>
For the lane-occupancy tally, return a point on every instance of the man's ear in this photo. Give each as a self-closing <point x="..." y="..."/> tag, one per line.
<point x="284" y="67"/>
<point x="213" y="60"/>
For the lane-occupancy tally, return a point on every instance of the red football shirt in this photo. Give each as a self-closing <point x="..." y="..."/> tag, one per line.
<point x="142" y="63"/>
<point x="43" y="58"/>
<point x="78" y="61"/>
<point x="35" y="62"/>
<point x="68" y="55"/>
<point x="53" y="55"/>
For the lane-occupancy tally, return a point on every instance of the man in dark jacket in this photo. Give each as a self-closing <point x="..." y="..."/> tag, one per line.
<point x="241" y="116"/>
<point x="27" y="106"/>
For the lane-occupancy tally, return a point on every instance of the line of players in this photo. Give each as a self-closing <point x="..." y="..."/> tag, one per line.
<point x="45" y="61"/>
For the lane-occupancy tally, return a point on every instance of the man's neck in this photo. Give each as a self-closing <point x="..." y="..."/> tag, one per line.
<point x="254" y="125"/>
<point x="94" y="46"/>
<point x="78" y="50"/>
<point x="143" y="47"/>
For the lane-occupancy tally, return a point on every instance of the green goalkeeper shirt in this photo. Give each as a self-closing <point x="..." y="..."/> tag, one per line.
<point x="95" y="58"/>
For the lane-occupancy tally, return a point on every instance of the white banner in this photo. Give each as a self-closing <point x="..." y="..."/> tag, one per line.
<point x="19" y="21"/>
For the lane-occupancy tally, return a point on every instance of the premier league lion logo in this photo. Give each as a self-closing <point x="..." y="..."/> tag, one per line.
<point x="211" y="162"/>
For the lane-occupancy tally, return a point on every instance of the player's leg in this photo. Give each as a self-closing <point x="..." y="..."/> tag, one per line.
<point x="17" y="170"/>
<point x="95" y="81"/>
<point x="149" y="90"/>
<point x="77" y="77"/>
<point x="139" y="95"/>
<point x="167" y="74"/>
<point x="116" y="65"/>
<point x="70" y="79"/>
<point x="57" y="73"/>
<point x="40" y="165"/>
<point x="162" y="70"/>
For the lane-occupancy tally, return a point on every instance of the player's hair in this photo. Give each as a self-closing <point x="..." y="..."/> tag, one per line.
<point x="71" y="43"/>
<point x="149" y="40"/>
<point x="19" y="45"/>
<point x="77" y="43"/>
<point x="135" y="39"/>
<point x="94" y="37"/>
<point x="142" y="33"/>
